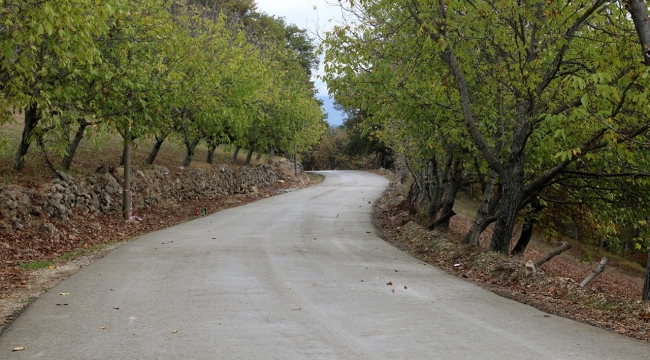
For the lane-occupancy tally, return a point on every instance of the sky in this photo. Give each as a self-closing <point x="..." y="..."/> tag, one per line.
<point x="303" y="14"/>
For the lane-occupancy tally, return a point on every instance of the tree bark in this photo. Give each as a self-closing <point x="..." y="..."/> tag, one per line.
<point x="564" y="247"/>
<point x="646" y="284"/>
<point x="156" y="148"/>
<point x="234" y="156"/>
<point x="249" y="156"/>
<point x="72" y="146"/>
<point x="472" y="236"/>
<point x="447" y="208"/>
<point x="508" y="209"/>
<point x="598" y="271"/>
<point x="435" y="186"/>
<point x="527" y="230"/>
<point x="639" y="13"/>
<point x="272" y="155"/>
<point x="31" y="120"/>
<point x="189" y="153"/>
<point x="212" y="146"/>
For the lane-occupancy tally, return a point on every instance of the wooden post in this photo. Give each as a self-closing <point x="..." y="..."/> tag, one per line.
<point x="126" y="200"/>
<point x="564" y="247"/>
<point x="592" y="276"/>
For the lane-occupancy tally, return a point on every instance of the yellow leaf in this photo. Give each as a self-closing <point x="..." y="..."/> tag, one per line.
<point x="64" y="294"/>
<point x="51" y="267"/>
<point x="19" y="349"/>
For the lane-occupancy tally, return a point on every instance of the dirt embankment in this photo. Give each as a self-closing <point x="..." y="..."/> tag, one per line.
<point x="611" y="302"/>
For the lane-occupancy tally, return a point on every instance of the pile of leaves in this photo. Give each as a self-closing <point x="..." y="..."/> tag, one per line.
<point x="612" y="301"/>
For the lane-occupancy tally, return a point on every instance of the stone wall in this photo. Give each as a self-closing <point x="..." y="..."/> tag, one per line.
<point x="101" y="193"/>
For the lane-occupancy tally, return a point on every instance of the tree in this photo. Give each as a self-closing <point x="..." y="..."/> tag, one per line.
<point x="549" y="93"/>
<point x="48" y="52"/>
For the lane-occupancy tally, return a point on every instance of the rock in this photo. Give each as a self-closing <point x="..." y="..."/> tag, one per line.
<point x="281" y="181"/>
<point x="530" y="268"/>
<point x="254" y="189"/>
<point x="17" y="224"/>
<point x="102" y="169"/>
<point x="120" y="171"/>
<point x="64" y="177"/>
<point x="48" y="229"/>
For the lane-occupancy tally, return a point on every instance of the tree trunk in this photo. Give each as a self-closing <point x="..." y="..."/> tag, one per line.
<point x="234" y="156"/>
<point x="271" y="155"/>
<point x="639" y="13"/>
<point x="249" y="156"/>
<point x="72" y="147"/>
<point x="189" y="151"/>
<point x="646" y="284"/>
<point x="31" y="120"/>
<point x="156" y="148"/>
<point x="527" y="230"/>
<point x="212" y="147"/>
<point x="436" y="188"/>
<point x="472" y="236"/>
<point x="126" y="200"/>
<point x="447" y="209"/>
<point x="508" y="209"/>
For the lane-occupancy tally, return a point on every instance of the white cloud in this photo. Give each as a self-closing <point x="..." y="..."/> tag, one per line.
<point x="316" y="20"/>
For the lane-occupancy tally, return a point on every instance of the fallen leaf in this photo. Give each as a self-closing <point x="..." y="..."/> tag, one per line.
<point x="288" y="288"/>
<point x="396" y="271"/>
<point x="64" y="294"/>
<point x="368" y="232"/>
<point x="393" y="290"/>
<point x="405" y="288"/>
<point x="362" y="280"/>
<point x="298" y="309"/>
<point x="116" y="308"/>
<point x="63" y="304"/>
<point x="174" y="332"/>
<point x="315" y="284"/>
<point x="102" y="327"/>
<point x="51" y="267"/>
<point x="314" y="238"/>
<point x="19" y="349"/>
<point x="388" y="283"/>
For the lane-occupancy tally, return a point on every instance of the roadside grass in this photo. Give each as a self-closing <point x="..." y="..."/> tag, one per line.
<point x="83" y="251"/>
<point x="315" y="178"/>
<point x="35" y="265"/>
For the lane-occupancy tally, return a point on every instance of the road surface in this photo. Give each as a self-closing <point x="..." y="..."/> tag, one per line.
<point x="298" y="276"/>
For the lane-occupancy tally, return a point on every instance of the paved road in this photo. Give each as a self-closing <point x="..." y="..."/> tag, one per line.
<point x="282" y="279"/>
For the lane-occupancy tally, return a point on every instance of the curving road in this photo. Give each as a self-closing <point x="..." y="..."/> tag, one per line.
<point x="297" y="276"/>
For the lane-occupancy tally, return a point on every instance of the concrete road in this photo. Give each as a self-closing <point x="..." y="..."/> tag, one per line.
<point x="298" y="276"/>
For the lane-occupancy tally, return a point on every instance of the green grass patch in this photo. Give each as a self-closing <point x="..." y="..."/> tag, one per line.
<point x="27" y="301"/>
<point x="317" y="178"/>
<point x="81" y="252"/>
<point x="35" y="265"/>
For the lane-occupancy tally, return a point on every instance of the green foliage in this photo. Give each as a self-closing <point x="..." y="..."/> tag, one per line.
<point x="207" y="69"/>
<point x="552" y="96"/>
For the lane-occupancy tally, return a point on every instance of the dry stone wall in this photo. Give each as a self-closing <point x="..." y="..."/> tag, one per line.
<point x="101" y="193"/>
